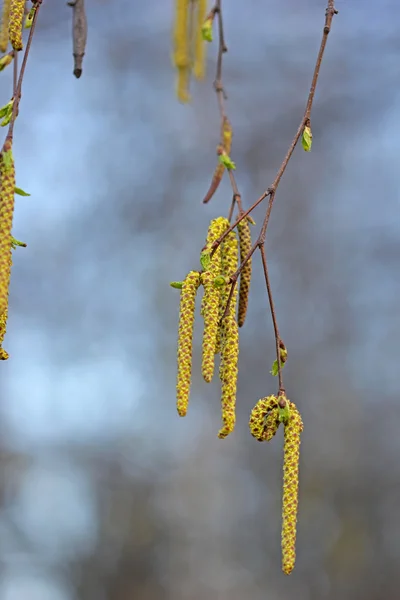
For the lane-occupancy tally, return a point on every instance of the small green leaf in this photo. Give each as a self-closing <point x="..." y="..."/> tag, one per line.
<point x="15" y="243"/>
<point x="283" y="413"/>
<point x="178" y="285"/>
<point x="306" y="140"/>
<point x="205" y="260"/>
<point x="206" y="30"/>
<point x="29" y="18"/>
<point x="274" y="371"/>
<point x="4" y="110"/>
<point x="5" y="61"/>
<point x="250" y="220"/>
<point x="6" y="113"/>
<point x="20" y="192"/>
<point x="227" y="161"/>
<point x="220" y="281"/>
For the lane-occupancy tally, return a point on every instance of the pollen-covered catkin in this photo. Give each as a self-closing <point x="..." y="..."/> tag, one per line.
<point x="211" y="298"/>
<point x="229" y="264"/>
<point x="199" y="44"/>
<point x="228" y="373"/>
<point x="291" y="456"/>
<point x="7" y="186"/>
<point x="263" y="421"/>
<point x="185" y="340"/>
<point x="15" y="23"/>
<point x="5" y="17"/>
<point x="182" y="59"/>
<point x="245" y="275"/>
<point x="229" y="339"/>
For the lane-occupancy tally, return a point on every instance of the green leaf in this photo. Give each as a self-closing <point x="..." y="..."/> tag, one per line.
<point x="227" y="161"/>
<point x="206" y="31"/>
<point x="274" y="371"/>
<point x="5" y="61"/>
<point x="205" y="259"/>
<point x="220" y="281"/>
<point x="20" y="192"/>
<point x="306" y="140"/>
<point x="15" y="243"/>
<point x="4" y="110"/>
<point x="283" y="413"/>
<point x="178" y="285"/>
<point x="29" y="18"/>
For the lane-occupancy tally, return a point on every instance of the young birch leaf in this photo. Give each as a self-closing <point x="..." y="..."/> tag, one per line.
<point x="20" y="192"/>
<point x="306" y="140"/>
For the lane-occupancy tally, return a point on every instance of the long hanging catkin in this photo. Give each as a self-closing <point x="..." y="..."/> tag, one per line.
<point x="181" y="49"/>
<point x="245" y="276"/>
<point x="229" y="343"/>
<point x="5" y="17"/>
<point x="185" y="340"/>
<point x="200" y="44"/>
<point x="211" y="299"/>
<point x="7" y="186"/>
<point x="291" y="456"/>
<point x="15" y="22"/>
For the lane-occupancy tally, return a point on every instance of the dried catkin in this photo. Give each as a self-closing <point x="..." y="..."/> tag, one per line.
<point x="200" y="45"/>
<point x="5" y="17"/>
<point x="291" y="456"/>
<point x="15" y="23"/>
<point x="224" y="146"/>
<point x="245" y="275"/>
<point x="185" y="340"/>
<point x="264" y="421"/>
<point x="7" y="186"/>
<point x="211" y="298"/>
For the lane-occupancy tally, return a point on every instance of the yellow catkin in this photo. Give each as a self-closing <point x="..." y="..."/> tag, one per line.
<point x="291" y="455"/>
<point x="226" y="135"/>
<point x="181" y="57"/>
<point x="245" y="276"/>
<point x="7" y="186"/>
<point x="229" y="264"/>
<point x="263" y="421"/>
<point x="211" y="298"/>
<point x="228" y="373"/>
<point x="5" y="16"/>
<point x="3" y="328"/>
<point x="15" y="23"/>
<point x="229" y="340"/>
<point x="185" y="340"/>
<point x="200" y="46"/>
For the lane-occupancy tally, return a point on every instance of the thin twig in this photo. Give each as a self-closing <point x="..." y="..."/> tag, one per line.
<point x="271" y="191"/>
<point x="17" y="91"/>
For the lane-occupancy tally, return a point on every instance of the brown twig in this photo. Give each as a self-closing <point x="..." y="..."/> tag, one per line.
<point x="18" y="87"/>
<point x="271" y="191"/>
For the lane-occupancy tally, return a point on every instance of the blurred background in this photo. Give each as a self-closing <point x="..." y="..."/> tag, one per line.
<point x="105" y="494"/>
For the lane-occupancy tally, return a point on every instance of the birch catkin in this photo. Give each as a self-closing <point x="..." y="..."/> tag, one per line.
<point x="7" y="186"/>
<point x="229" y="340"/>
<point x="264" y="421"/>
<point x="185" y="340"/>
<point x="5" y="17"/>
<point x="291" y="456"/>
<point x="181" y="49"/>
<point x="245" y="275"/>
<point x="15" y="23"/>
<point x="211" y="299"/>
<point x="200" y="45"/>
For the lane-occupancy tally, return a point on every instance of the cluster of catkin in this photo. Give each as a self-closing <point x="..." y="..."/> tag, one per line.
<point x="265" y="419"/>
<point x="220" y="332"/>
<point x="189" y="54"/>
<point x="12" y="24"/>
